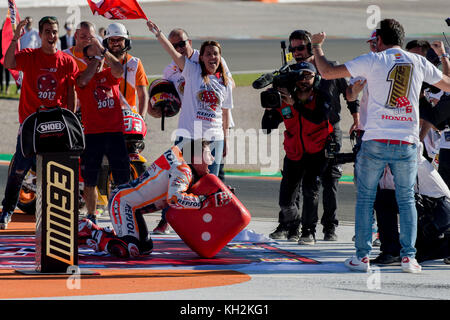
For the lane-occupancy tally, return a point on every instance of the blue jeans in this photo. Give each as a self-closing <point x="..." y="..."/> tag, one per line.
<point x="216" y="150"/>
<point x="371" y="161"/>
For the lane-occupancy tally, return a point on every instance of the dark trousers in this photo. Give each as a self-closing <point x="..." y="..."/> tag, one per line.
<point x="444" y="165"/>
<point x="330" y="181"/>
<point x="4" y="71"/>
<point x="387" y="220"/>
<point x="18" y="169"/>
<point x="302" y="173"/>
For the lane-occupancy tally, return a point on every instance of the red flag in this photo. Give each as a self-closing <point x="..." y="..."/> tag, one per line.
<point x="117" y="9"/>
<point x="12" y="18"/>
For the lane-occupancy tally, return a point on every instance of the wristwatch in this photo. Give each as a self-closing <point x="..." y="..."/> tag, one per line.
<point x="104" y="51"/>
<point x="444" y="55"/>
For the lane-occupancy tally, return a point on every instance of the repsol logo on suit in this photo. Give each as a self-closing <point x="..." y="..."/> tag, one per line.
<point x="129" y="219"/>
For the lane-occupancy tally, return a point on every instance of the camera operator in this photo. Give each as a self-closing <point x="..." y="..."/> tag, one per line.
<point x="304" y="110"/>
<point x="300" y="47"/>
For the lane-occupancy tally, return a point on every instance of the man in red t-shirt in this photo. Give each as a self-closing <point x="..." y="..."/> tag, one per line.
<point x="48" y="80"/>
<point x="97" y="88"/>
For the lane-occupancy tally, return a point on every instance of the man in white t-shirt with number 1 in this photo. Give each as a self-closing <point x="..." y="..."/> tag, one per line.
<point x="394" y="78"/>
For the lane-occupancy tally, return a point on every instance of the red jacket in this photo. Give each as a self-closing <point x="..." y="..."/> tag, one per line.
<point x="306" y="130"/>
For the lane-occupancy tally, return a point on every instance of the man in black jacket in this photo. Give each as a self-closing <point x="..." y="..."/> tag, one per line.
<point x="304" y="112"/>
<point x="68" y="39"/>
<point x="300" y="47"/>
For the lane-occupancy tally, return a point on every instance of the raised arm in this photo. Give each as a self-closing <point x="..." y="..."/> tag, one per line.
<point x="178" y="58"/>
<point x="444" y="84"/>
<point x="326" y="69"/>
<point x="111" y="60"/>
<point x="10" y="55"/>
<point x="439" y="49"/>
<point x="88" y="73"/>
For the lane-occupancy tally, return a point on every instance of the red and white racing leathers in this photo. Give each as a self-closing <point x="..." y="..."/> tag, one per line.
<point x="163" y="184"/>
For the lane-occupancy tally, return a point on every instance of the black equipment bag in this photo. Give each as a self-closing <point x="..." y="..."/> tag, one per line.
<point x="433" y="215"/>
<point x="51" y="129"/>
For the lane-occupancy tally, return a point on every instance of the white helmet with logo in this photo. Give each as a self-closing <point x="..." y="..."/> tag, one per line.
<point x="116" y="30"/>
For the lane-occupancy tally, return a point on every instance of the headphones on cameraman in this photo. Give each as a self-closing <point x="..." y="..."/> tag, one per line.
<point x="299" y="33"/>
<point x="317" y="79"/>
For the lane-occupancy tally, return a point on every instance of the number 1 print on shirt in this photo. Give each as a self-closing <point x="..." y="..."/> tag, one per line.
<point x="400" y="78"/>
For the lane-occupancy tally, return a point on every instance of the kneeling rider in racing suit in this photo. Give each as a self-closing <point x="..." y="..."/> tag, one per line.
<point x="164" y="184"/>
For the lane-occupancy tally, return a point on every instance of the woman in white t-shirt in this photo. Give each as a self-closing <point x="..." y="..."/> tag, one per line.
<point x="207" y="97"/>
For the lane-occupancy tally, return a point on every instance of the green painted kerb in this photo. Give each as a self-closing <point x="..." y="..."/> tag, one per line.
<point x="6" y="157"/>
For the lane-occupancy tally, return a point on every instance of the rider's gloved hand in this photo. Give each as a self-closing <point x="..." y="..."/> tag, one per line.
<point x="218" y="199"/>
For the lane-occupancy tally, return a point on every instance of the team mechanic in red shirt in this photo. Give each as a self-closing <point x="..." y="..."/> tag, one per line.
<point x="97" y="89"/>
<point x="165" y="183"/>
<point x="48" y="80"/>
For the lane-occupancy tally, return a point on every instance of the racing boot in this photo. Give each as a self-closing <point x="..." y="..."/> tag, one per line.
<point x="162" y="227"/>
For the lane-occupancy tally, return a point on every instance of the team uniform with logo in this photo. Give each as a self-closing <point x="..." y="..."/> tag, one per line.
<point x="200" y="113"/>
<point x="163" y="184"/>
<point x="202" y="103"/>
<point x="393" y="100"/>
<point x="46" y="79"/>
<point x="135" y="76"/>
<point x="394" y="79"/>
<point x="103" y="126"/>
<point x="82" y="65"/>
<point x="174" y="74"/>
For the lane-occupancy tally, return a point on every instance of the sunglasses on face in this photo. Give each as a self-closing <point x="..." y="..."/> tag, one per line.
<point x="115" y="40"/>
<point x="180" y="44"/>
<point x="299" y="48"/>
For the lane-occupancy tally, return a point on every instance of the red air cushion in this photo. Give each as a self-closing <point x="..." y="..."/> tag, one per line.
<point x="208" y="230"/>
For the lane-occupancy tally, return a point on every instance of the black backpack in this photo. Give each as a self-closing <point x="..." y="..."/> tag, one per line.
<point x="51" y="129"/>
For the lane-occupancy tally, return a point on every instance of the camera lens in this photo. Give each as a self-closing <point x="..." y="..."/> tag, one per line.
<point x="270" y="99"/>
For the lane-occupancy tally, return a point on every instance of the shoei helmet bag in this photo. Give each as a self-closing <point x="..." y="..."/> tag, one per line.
<point x="51" y="129"/>
<point x="164" y="101"/>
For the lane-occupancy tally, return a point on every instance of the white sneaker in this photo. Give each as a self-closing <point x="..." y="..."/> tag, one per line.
<point x="356" y="264"/>
<point x="410" y="265"/>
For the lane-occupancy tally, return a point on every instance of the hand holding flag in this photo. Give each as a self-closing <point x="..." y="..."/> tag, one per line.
<point x="9" y="32"/>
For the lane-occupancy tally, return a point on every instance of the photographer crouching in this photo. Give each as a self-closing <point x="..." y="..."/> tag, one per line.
<point x="296" y="100"/>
